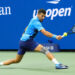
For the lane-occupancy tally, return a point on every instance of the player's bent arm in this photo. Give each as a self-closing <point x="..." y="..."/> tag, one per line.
<point x="46" y="33"/>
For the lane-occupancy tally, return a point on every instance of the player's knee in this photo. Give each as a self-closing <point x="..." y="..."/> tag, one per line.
<point x="44" y="50"/>
<point x="17" y="61"/>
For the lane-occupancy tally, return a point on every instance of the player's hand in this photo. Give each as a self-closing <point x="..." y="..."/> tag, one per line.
<point x="59" y="37"/>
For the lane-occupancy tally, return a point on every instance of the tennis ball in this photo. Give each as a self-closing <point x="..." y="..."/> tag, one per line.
<point x="65" y="34"/>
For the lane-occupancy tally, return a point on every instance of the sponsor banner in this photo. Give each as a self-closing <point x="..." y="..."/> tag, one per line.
<point x="52" y="47"/>
<point x="5" y="10"/>
<point x="15" y="16"/>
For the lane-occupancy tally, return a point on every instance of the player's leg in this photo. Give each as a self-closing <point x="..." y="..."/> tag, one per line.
<point x="11" y="61"/>
<point x="50" y="56"/>
<point x="19" y="56"/>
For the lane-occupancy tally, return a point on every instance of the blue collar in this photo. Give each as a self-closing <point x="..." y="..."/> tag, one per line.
<point x="37" y="18"/>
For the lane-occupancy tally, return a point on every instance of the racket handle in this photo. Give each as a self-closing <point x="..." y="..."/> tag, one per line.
<point x="63" y="36"/>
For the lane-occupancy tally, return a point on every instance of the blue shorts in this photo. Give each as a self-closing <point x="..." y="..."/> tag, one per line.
<point x="28" y="45"/>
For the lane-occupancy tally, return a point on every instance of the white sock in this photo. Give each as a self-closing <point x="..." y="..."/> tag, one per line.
<point x="55" y="61"/>
<point x="1" y="63"/>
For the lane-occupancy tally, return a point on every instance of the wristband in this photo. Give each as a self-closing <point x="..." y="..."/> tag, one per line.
<point x="54" y="36"/>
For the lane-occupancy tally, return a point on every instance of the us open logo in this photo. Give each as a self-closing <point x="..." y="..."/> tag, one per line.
<point x="53" y="13"/>
<point x="53" y="1"/>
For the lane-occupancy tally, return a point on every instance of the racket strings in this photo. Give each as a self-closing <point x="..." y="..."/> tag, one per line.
<point x="73" y="30"/>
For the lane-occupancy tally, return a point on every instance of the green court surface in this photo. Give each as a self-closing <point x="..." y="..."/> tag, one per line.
<point x="34" y="63"/>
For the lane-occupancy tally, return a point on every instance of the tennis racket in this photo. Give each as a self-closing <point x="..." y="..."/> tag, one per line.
<point x="71" y="31"/>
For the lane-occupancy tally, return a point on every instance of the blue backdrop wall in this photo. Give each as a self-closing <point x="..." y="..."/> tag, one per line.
<point x="16" y="14"/>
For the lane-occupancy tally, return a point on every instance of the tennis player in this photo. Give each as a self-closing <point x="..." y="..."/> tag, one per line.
<point x="27" y="42"/>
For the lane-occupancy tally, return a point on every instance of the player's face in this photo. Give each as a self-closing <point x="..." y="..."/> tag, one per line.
<point x="41" y="16"/>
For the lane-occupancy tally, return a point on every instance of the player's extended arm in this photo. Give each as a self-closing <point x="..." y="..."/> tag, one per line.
<point x="48" y="34"/>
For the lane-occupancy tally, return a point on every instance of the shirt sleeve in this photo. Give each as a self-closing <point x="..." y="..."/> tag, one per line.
<point x="39" y="26"/>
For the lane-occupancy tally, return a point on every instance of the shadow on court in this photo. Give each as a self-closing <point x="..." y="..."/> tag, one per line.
<point x="30" y="69"/>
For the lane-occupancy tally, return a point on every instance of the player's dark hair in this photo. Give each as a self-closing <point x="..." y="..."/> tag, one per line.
<point x="41" y="11"/>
